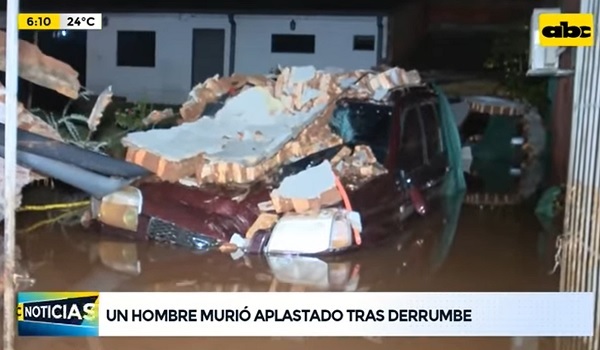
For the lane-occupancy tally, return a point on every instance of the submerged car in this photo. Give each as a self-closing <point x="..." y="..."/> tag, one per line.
<point x="114" y="264"/>
<point x="404" y="133"/>
<point x="405" y="136"/>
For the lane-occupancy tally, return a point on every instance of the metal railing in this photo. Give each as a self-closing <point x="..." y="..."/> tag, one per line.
<point x="580" y="258"/>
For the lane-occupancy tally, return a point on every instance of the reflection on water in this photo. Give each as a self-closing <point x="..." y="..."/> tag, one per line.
<point x="455" y="249"/>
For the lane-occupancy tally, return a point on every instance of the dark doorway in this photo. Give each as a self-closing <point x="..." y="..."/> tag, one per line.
<point x="208" y="54"/>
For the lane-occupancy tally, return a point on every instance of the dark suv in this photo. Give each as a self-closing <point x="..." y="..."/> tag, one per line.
<point x="405" y="135"/>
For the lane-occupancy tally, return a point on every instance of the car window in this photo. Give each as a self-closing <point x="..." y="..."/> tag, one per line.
<point x="411" y="154"/>
<point x="364" y="123"/>
<point x="431" y="128"/>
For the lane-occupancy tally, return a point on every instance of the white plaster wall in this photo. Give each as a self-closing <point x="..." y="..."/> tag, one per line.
<point x="385" y="50"/>
<point x="170" y="80"/>
<point x="333" y="42"/>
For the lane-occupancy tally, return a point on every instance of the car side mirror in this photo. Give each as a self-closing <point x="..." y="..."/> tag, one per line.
<point x="403" y="179"/>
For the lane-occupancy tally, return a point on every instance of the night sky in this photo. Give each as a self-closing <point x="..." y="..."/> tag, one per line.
<point x="206" y="5"/>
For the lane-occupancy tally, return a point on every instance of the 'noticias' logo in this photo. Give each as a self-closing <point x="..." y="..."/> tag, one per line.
<point x="57" y="313"/>
<point x="566" y="29"/>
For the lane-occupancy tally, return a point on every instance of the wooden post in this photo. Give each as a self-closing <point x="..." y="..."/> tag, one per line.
<point x="30" y="95"/>
<point x="10" y="170"/>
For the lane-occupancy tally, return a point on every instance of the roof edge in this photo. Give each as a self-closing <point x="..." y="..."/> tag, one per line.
<point x="349" y="12"/>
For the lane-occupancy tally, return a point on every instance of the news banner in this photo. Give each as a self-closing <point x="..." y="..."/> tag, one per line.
<point x="155" y="314"/>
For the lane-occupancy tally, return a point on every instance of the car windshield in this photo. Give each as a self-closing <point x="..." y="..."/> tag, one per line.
<point x="363" y="123"/>
<point x="357" y="123"/>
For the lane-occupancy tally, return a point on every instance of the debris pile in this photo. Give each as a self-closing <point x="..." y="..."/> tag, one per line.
<point x="240" y="129"/>
<point x="29" y="121"/>
<point x="358" y="165"/>
<point x="264" y="122"/>
<point x="45" y="71"/>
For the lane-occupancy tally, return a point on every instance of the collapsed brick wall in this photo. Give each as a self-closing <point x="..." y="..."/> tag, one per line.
<point x="314" y="137"/>
<point x="45" y="71"/>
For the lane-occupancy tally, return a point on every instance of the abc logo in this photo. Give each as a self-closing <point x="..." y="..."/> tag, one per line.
<point x="566" y="29"/>
<point x="20" y="315"/>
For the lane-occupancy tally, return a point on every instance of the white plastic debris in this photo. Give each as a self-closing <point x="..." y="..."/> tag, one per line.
<point x="328" y="230"/>
<point x="241" y="243"/>
<point x="355" y="220"/>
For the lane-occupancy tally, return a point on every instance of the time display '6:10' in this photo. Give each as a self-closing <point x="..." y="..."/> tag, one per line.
<point x="41" y="21"/>
<point x="50" y="21"/>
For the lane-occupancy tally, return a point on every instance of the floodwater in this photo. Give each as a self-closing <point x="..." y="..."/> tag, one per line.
<point x="458" y="248"/>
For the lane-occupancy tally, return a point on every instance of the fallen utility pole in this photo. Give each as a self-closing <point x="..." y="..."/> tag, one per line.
<point x="10" y="170"/>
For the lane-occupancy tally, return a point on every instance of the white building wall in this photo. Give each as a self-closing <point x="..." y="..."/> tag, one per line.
<point x="170" y="80"/>
<point x="333" y="42"/>
<point x="385" y="50"/>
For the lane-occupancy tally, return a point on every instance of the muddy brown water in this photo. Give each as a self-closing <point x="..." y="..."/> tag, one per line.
<point x="490" y="250"/>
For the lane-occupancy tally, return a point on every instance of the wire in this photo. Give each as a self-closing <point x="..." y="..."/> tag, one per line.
<point x="45" y="222"/>
<point x="48" y="207"/>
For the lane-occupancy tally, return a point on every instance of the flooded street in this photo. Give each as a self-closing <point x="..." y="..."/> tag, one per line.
<point x="502" y="249"/>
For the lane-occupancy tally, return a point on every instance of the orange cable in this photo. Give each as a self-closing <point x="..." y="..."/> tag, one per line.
<point x="348" y="206"/>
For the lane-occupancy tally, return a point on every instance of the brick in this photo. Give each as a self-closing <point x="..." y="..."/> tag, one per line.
<point x="264" y="221"/>
<point x="42" y="70"/>
<point x="306" y="200"/>
<point x="291" y="96"/>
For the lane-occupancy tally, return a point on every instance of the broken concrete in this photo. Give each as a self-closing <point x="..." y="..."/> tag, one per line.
<point x="359" y="166"/>
<point x="235" y="136"/>
<point x="104" y="99"/>
<point x="29" y="121"/>
<point x="212" y="89"/>
<point x="45" y="71"/>
<point x="265" y="221"/>
<point x="265" y="124"/>
<point x="309" y="190"/>
<point x="156" y="117"/>
<point x="32" y="123"/>
<point x="42" y="70"/>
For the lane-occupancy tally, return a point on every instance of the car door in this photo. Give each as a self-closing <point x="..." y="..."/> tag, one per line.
<point x="435" y="166"/>
<point x="374" y="126"/>
<point x="411" y="155"/>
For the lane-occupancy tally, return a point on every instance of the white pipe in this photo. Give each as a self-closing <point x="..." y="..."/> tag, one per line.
<point x="594" y="114"/>
<point x="592" y="108"/>
<point x="10" y="170"/>
<point x="582" y="226"/>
